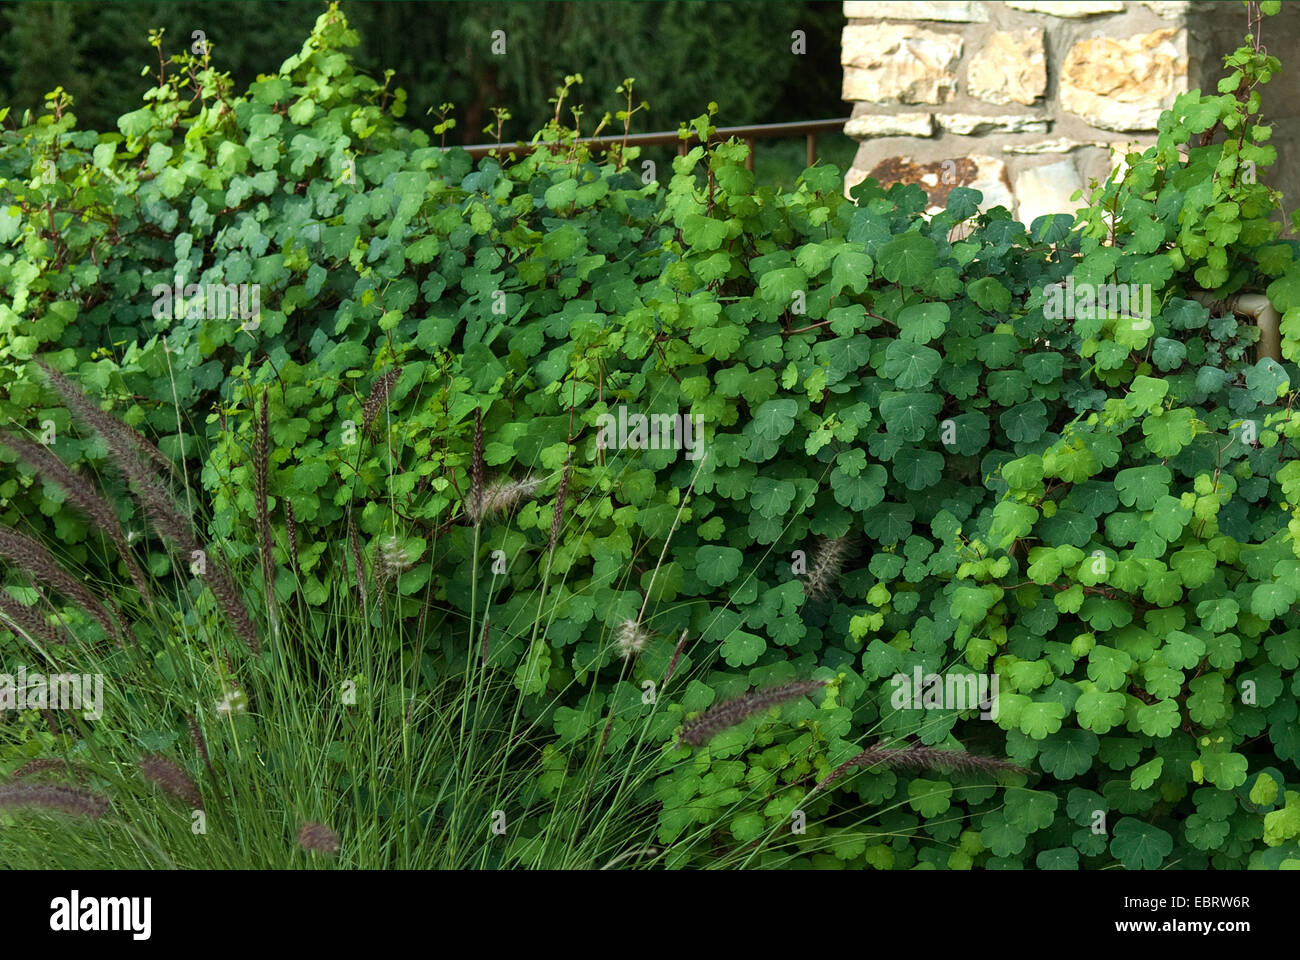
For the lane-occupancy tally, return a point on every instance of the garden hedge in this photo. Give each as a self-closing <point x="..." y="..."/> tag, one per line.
<point x="1101" y="509"/>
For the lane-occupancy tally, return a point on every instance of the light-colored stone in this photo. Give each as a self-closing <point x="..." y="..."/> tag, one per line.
<point x="1119" y="151"/>
<point x="852" y="177"/>
<point x="952" y="11"/>
<point x="890" y="125"/>
<point x="1059" y="145"/>
<point x="899" y="63"/>
<point x="1009" y="67"/>
<point x="1168" y="9"/>
<point x="1124" y="84"/>
<point x="938" y="177"/>
<point x="1047" y="189"/>
<point x="991" y="180"/>
<point x="1072" y="9"/>
<point x="972" y="124"/>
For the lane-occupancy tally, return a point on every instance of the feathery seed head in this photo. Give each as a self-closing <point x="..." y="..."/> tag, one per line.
<point x="40" y="765"/>
<point x="72" y="800"/>
<point x="318" y="838"/>
<point x="82" y="495"/>
<point x="677" y="652"/>
<point x="826" y="566"/>
<point x="234" y="701"/>
<point x="631" y="638"/>
<point x="919" y="756"/>
<point x="477" y="471"/>
<point x="291" y="528"/>
<point x="126" y="446"/>
<point x="502" y="496"/>
<point x="724" y="716"/>
<point x="22" y="621"/>
<point x="35" y="560"/>
<point x="358" y="566"/>
<point x="392" y="556"/>
<point x="378" y="397"/>
<point x="561" y="495"/>
<point x="196" y="737"/>
<point x="174" y="780"/>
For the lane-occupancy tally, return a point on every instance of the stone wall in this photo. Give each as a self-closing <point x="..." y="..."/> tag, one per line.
<point x="1025" y="100"/>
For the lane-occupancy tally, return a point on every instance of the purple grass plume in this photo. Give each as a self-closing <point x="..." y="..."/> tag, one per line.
<point x="378" y="397"/>
<point x="724" y="716"/>
<point x="36" y="561"/>
<point x="917" y="756"/>
<point x="42" y="765"/>
<point x="174" y="780"/>
<point x="53" y="797"/>
<point x="677" y="652"/>
<point x="154" y="497"/>
<point x="82" y="495"/>
<point x="21" y="620"/>
<point x="561" y="496"/>
<point x="318" y="838"/>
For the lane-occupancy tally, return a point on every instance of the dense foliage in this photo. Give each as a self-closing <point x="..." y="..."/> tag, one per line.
<point x="1101" y="509"/>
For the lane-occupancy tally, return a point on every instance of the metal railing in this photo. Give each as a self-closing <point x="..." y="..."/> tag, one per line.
<point x="809" y="129"/>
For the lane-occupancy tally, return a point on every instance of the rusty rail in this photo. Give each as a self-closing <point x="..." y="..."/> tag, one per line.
<point x="809" y="129"/>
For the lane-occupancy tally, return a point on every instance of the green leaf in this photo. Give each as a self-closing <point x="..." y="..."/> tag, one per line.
<point x="775" y="418"/>
<point x="1266" y="381"/>
<point x="699" y="232"/>
<point x="1011" y="521"/>
<point x="911" y="365"/>
<point x="1182" y="651"/>
<point x="889" y="523"/>
<point x="1218" y="615"/>
<point x="1109" y="667"/>
<point x="1268" y="601"/>
<point x="929" y="798"/>
<point x="918" y="469"/>
<point x="741" y="649"/>
<point x="1167" y="433"/>
<point x="1147" y="774"/>
<point x="747" y="827"/>
<point x="861" y="492"/>
<point x="1024" y="473"/>
<point x="780" y="286"/>
<point x="923" y="322"/>
<point x="1025" y="422"/>
<point x="910" y="415"/>
<point x="772" y="498"/>
<point x="1227" y="771"/>
<point x="1283" y="825"/>
<point x="1039" y="720"/>
<point x="1140" y="846"/>
<point x="908" y="259"/>
<point x="1264" y="791"/>
<point x="1158" y="719"/>
<point x="1031" y="810"/>
<point x="1146" y="394"/>
<point x="990" y="295"/>
<point x="1142" y="487"/>
<point x="1100" y="710"/>
<point x="851" y="269"/>
<point x="971" y="604"/>
<point x="1068" y="753"/>
<point x="1058" y="858"/>
<point x="718" y="565"/>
